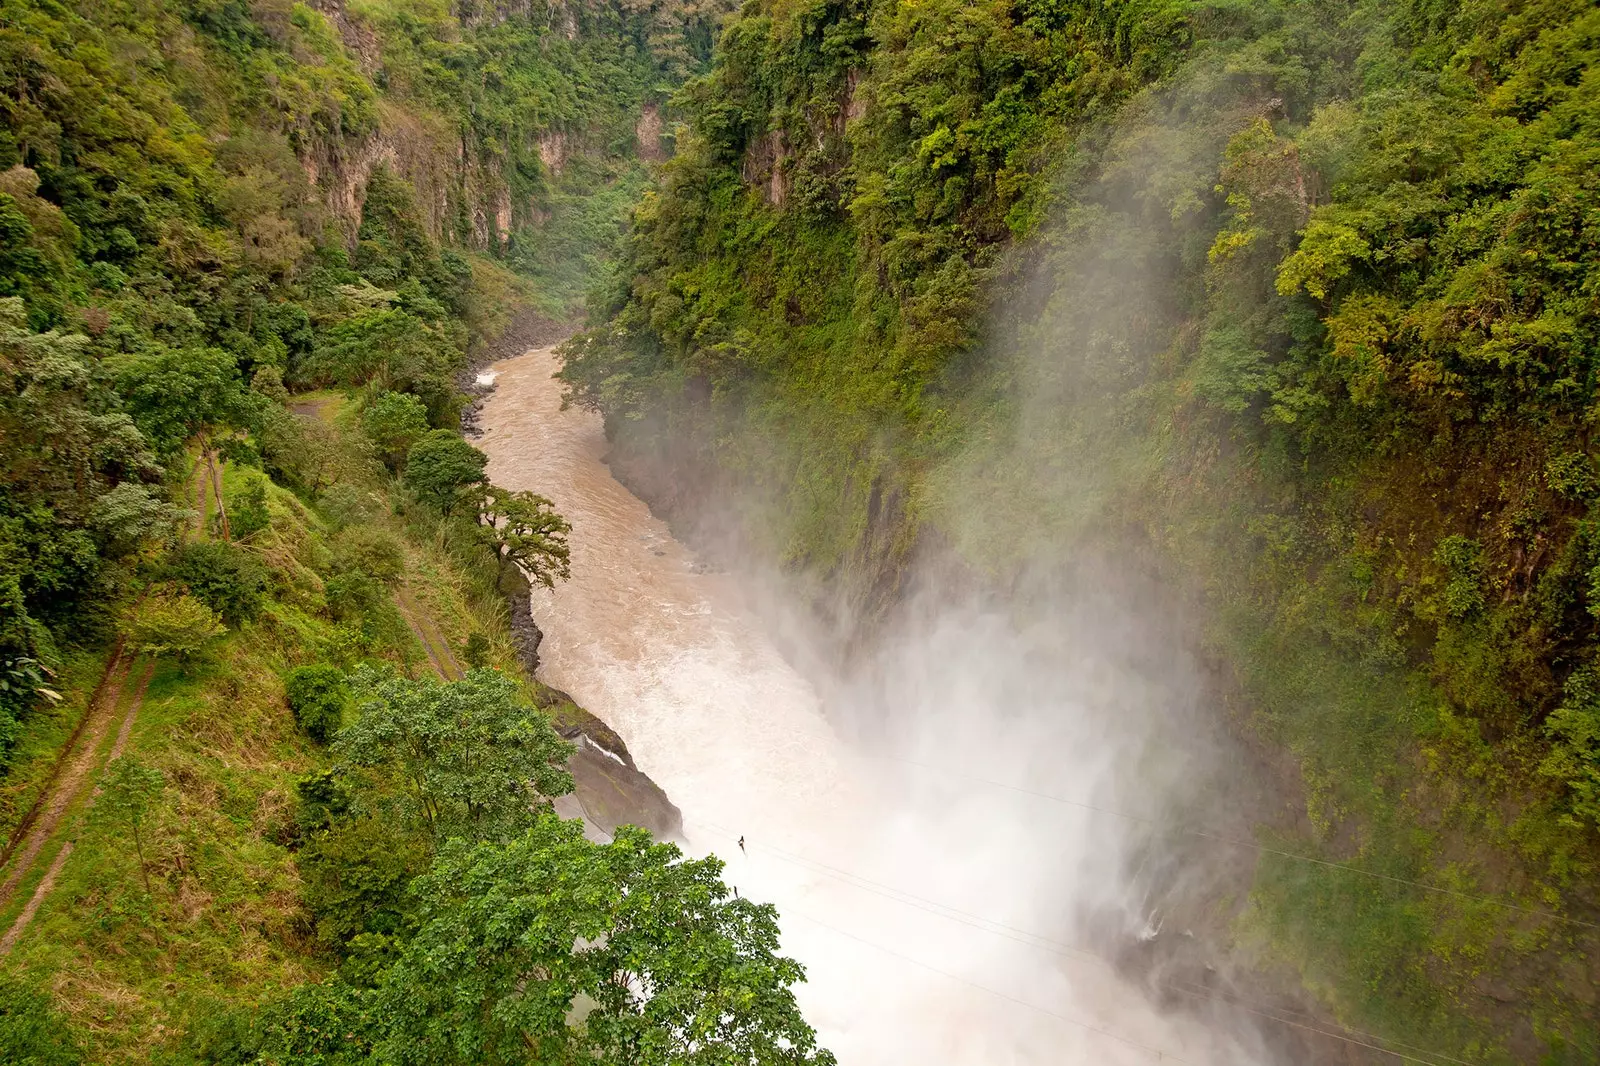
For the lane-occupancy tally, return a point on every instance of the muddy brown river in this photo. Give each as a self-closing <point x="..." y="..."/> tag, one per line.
<point x="916" y="913"/>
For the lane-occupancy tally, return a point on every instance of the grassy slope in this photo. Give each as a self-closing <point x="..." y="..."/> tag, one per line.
<point x="224" y="926"/>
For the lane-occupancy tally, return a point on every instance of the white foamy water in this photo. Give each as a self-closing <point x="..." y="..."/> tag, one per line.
<point x="932" y="913"/>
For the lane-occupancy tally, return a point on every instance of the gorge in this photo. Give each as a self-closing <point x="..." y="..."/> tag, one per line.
<point x="938" y="920"/>
<point x="1088" y="511"/>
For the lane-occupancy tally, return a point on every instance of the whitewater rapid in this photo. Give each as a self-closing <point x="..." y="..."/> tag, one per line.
<point x="918" y="906"/>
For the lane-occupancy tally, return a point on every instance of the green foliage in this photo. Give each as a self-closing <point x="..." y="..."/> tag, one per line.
<point x="324" y="1024"/>
<point x="394" y="421"/>
<point x="674" y="971"/>
<point x="441" y="467"/>
<point x="317" y="696"/>
<point x="128" y="789"/>
<point x="226" y="578"/>
<point x="392" y="348"/>
<point x="476" y="651"/>
<point x="267" y="382"/>
<point x="371" y="551"/>
<point x="1304" y="321"/>
<point x="247" y="509"/>
<point x="475" y="758"/>
<point x="524" y="529"/>
<point x="131" y="513"/>
<point x="357" y="875"/>
<point x="24" y="682"/>
<point x="72" y="485"/>
<point x="32" y="1033"/>
<point x="173" y="393"/>
<point x="1574" y="759"/>
<point x="169" y="622"/>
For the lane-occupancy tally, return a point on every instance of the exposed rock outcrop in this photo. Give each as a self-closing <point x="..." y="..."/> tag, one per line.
<point x="609" y="790"/>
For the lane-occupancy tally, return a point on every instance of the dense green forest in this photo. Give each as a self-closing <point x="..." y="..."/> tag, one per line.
<point x="1296" y="303"/>
<point x="275" y="785"/>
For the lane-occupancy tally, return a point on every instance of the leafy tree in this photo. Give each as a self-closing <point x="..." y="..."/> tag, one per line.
<point x="475" y="757"/>
<point x="173" y="393"/>
<point x="317" y="696"/>
<point x="524" y="528"/>
<point x="441" y="467"/>
<point x="131" y="513"/>
<point x="169" y="622"/>
<point x="229" y="579"/>
<point x="516" y="936"/>
<point x="267" y="381"/>
<point x="127" y="792"/>
<point x="394" y="349"/>
<point x="304" y="452"/>
<point x="357" y="875"/>
<point x="394" y="421"/>
<point x="247" y="510"/>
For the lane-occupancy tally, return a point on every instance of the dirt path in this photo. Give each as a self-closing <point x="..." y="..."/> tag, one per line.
<point x="46" y="883"/>
<point x="216" y="494"/>
<point x="433" y="642"/>
<point x="75" y="760"/>
<point x="200" y="482"/>
<point x="64" y="792"/>
<point x="80" y="760"/>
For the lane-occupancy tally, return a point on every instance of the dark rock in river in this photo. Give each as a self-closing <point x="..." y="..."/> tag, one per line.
<point x="609" y="789"/>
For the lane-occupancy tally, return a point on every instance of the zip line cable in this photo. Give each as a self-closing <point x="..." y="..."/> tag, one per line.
<point x="1438" y="1056"/>
<point x="1039" y="941"/>
<point x="1203" y="835"/>
<point x="1028" y="938"/>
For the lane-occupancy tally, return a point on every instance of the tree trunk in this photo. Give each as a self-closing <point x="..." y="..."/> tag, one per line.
<point x="144" y="871"/>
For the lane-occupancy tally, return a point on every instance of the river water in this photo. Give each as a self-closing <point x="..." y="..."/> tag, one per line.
<point x="925" y="908"/>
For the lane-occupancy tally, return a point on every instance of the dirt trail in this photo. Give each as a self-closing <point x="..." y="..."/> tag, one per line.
<point x="200" y="483"/>
<point x="76" y="760"/>
<point x="216" y="494"/>
<point x="63" y="801"/>
<point x="433" y="642"/>
<point x="79" y="762"/>
<point x="46" y="883"/>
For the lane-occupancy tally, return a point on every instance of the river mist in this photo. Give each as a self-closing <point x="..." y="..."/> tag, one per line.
<point x="932" y="822"/>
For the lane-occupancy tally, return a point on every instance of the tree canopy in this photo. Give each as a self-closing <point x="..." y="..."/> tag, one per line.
<point x="475" y="757"/>
<point x="441" y="467"/>
<point x="548" y="948"/>
<point x="524" y="529"/>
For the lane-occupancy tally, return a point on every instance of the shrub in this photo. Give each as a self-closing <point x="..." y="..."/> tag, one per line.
<point x="476" y="652"/>
<point x="394" y="421"/>
<point x="247" y="511"/>
<point x="372" y="552"/>
<point x="171" y="622"/>
<point x="354" y="878"/>
<point x="317" y="696"/>
<point x="268" y="382"/>
<point x="441" y="467"/>
<point x="226" y="578"/>
<point x="31" y="1032"/>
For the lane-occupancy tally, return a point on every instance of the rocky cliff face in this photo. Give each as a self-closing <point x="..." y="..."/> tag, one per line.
<point x="488" y="155"/>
